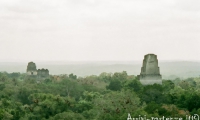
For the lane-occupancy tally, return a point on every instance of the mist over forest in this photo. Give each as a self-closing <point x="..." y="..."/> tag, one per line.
<point x="168" y="69"/>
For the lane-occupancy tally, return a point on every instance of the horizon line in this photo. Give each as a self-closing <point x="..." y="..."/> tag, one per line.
<point x="175" y="60"/>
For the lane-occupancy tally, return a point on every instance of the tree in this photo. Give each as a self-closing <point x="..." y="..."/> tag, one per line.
<point x="192" y="101"/>
<point x="167" y="85"/>
<point x="106" y="77"/>
<point x="184" y="84"/>
<point x="114" y="85"/>
<point x="72" y="76"/>
<point x="116" y="105"/>
<point x="134" y="85"/>
<point x="152" y="93"/>
<point x="120" y="76"/>
<point x="48" y="105"/>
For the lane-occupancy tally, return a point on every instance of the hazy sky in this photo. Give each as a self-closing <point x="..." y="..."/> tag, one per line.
<point x="93" y="30"/>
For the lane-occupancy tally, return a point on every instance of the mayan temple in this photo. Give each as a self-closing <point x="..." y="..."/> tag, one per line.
<point x="33" y="73"/>
<point x="150" y="72"/>
<point x="31" y="69"/>
<point x="43" y="73"/>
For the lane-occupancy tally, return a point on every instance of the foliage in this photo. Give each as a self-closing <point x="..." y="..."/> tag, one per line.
<point x="114" y="85"/>
<point x="104" y="97"/>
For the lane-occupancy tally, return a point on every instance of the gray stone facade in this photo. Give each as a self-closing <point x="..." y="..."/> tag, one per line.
<point x="43" y="73"/>
<point x="150" y="72"/>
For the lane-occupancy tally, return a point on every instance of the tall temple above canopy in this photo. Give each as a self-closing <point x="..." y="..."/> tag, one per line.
<point x="150" y="72"/>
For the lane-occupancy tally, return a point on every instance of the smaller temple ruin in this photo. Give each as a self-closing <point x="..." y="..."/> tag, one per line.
<point x="150" y="72"/>
<point x="43" y="73"/>
<point x="33" y="73"/>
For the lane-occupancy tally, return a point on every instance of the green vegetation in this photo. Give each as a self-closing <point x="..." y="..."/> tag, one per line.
<point x="104" y="97"/>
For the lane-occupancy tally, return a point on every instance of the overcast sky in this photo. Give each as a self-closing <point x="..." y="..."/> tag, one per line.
<point x="96" y="30"/>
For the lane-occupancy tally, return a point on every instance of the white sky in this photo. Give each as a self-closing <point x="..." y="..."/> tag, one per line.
<point x="90" y="30"/>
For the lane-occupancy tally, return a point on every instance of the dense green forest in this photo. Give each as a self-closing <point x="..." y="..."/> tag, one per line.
<point x="104" y="97"/>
